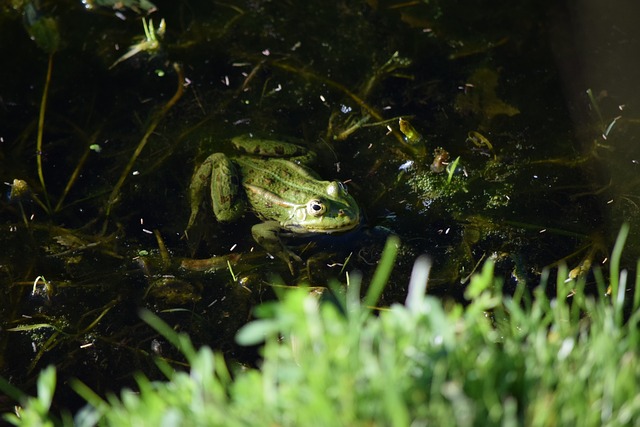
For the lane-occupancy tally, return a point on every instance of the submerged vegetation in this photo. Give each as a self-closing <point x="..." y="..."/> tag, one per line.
<point x="444" y="121"/>
<point x="527" y="359"/>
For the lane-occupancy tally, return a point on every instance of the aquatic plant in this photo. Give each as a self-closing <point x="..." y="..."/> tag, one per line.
<point x="525" y="359"/>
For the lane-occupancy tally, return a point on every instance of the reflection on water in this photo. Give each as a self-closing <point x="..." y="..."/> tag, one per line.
<point x="595" y="46"/>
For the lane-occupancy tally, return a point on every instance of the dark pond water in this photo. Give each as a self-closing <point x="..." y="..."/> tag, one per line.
<point x="528" y="155"/>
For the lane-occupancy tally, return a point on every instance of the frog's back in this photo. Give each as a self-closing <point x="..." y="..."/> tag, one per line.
<point x="274" y="186"/>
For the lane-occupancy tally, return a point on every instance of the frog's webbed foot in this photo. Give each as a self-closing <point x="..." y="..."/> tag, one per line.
<point x="286" y="256"/>
<point x="267" y="236"/>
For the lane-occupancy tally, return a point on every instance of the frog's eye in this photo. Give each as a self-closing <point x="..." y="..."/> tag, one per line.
<point x="316" y="207"/>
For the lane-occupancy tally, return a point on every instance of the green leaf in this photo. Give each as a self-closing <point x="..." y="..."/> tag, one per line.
<point x="47" y="386"/>
<point x="11" y="391"/>
<point x="179" y="341"/>
<point x="137" y="6"/>
<point x="42" y="29"/>
<point x="256" y="332"/>
<point x="480" y="282"/>
<point x="23" y="328"/>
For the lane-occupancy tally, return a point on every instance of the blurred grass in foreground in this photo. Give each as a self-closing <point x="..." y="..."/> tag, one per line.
<point x="500" y="360"/>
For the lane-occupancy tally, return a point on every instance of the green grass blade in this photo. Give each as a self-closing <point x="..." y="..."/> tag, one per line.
<point x="616" y="254"/>
<point x="381" y="276"/>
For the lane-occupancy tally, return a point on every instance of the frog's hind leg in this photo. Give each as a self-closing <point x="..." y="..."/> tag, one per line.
<point x="200" y="180"/>
<point x="220" y="176"/>
<point x="227" y="197"/>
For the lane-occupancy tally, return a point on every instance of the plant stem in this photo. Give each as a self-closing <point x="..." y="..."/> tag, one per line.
<point x="43" y="107"/>
<point x="143" y="142"/>
<point x="76" y="172"/>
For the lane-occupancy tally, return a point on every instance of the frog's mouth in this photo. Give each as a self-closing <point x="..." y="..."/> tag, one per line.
<point x="324" y="227"/>
<point x="340" y="229"/>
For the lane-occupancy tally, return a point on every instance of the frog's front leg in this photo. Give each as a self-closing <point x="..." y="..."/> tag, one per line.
<point x="267" y="236"/>
<point x="218" y="174"/>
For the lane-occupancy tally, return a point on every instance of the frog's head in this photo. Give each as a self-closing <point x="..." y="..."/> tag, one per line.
<point x="332" y="212"/>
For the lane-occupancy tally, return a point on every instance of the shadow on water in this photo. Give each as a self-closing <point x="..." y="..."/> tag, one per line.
<point x="502" y="153"/>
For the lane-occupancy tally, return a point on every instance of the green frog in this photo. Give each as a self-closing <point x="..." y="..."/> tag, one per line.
<point x="271" y="178"/>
